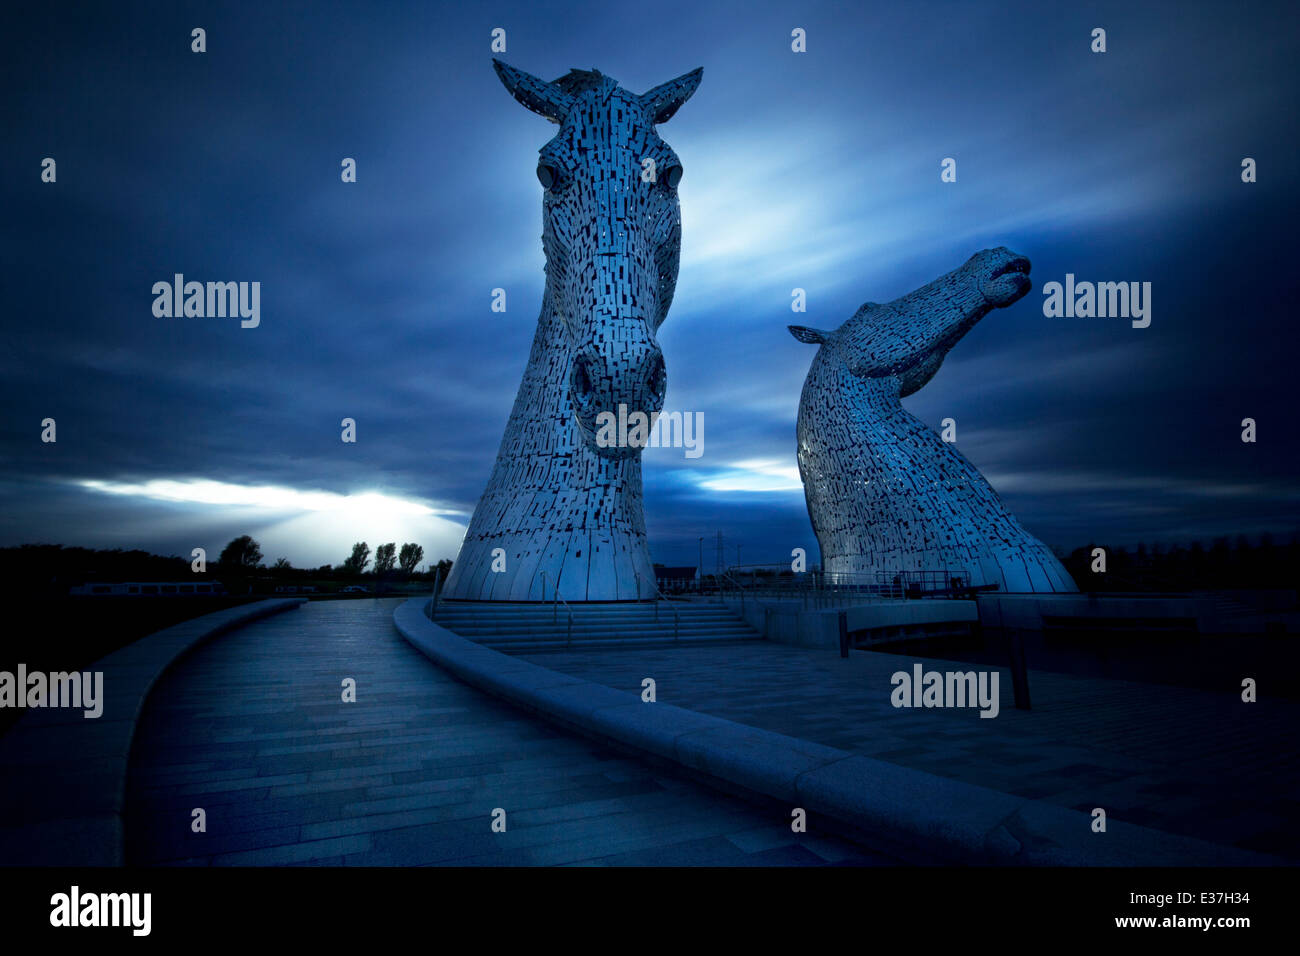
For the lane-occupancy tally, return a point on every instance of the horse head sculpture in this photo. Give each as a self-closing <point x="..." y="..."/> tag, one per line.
<point x="562" y="513"/>
<point x="611" y="232"/>
<point x="888" y="496"/>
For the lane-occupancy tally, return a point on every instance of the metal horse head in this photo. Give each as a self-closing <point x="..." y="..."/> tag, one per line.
<point x="612" y="234"/>
<point x="906" y="340"/>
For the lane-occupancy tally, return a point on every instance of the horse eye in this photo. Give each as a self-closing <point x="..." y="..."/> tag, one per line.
<point x="672" y="176"/>
<point x="547" y="175"/>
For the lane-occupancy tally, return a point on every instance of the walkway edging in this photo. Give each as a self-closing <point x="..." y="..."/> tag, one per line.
<point x="917" y="813"/>
<point x="59" y="811"/>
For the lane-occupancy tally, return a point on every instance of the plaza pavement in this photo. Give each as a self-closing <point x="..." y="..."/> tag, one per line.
<point x="1185" y="761"/>
<point x="252" y="728"/>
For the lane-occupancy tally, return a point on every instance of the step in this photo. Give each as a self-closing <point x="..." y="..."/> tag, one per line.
<point x="506" y="626"/>
<point x="532" y="645"/>
<point x="548" y="621"/>
<point x="542" y="626"/>
<point x="664" y="616"/>
<point x="598" y="636"/>
<point x="492" y="607"/>
<point x="445" y="614"/>
<point x="482" y="636"/>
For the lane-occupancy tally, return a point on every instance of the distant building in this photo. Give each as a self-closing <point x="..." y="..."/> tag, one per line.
<point x="674" y="580"/>
<point x="148" y="589"/>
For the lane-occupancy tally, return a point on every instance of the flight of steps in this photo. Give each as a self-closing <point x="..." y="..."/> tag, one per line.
<point x="517" y="627"/>
<point x="1226" y="606"/>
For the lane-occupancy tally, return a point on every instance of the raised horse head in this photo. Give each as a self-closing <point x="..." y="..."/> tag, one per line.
<point x="611" y="233"/>
<point x="908" y="338"/>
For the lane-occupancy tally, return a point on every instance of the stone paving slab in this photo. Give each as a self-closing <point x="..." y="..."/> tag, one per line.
<point x="64" y="776"/>
<point x="1185" y="761"/>
<point x="922" y="816"/>
<point x="253" y="729"/>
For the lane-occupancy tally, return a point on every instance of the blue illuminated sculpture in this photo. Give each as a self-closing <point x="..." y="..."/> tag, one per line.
<point x="886" y="494"/>
<point x="562" y="510"/>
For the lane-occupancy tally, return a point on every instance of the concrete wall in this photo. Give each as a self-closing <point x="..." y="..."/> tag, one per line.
<point x="788" y="622"/>
<point x="1026" y="611"/>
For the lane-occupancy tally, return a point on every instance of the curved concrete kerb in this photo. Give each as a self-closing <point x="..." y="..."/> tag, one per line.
<point x="917" y="815"/>
<point x="65" y="776"/>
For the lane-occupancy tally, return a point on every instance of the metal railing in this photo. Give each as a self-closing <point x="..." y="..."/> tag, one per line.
<point x="437" y="593"/>
<point x="677" y="617"/>
<point x="556" y="601"/>
<point x="728" y="584"/>
<point x="825" y="589"/>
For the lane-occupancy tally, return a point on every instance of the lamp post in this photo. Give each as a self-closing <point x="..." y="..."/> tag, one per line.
<point x="701" y="564"/>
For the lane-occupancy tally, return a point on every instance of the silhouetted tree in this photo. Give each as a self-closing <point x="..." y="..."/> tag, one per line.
<point x="243" y="553"/>
<point x="357" y="561"/>
<point x="410" y="557"/>
<point x="385" y="557"/>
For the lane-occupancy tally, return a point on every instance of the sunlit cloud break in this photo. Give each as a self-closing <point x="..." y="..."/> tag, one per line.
<point x="271" y="497"/>
<point x="755" y="475"/>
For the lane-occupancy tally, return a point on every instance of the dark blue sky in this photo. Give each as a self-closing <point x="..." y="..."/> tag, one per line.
<point x="816" y="170"/>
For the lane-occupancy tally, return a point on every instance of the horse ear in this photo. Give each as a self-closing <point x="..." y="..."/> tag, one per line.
<point x="665" y="99"/>
<point x="545" y="99"/>
<point x="808" y="336"/>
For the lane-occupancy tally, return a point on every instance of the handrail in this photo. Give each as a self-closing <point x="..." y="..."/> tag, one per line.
<point x="726" y="575"/>
<point x="677" y="617"/>
<point x="437" y="593"/>
<point x="556" y="601"/>
<point x="834" y="588"/>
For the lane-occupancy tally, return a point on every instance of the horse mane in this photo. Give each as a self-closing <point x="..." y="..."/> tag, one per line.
<point x="577" y="82"/>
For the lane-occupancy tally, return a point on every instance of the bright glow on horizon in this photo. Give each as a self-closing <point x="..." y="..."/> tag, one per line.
<point x="766" y="474"/>
<point x="273" y="497"/>
<point x="309" y="527"/>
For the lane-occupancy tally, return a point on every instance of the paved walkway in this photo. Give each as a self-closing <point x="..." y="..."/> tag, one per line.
<point x="252" y="729"/>
<point x="1185" y="761"/>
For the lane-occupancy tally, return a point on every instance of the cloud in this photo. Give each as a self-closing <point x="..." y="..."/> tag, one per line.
<point x="817" y="171"/>
<point x="307" y="526"/>
<point x="207" y="492"/>
<point x="754" y="475"/>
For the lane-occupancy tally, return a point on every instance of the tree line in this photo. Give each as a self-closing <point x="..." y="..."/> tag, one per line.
<point x="244" y="554"/>
<point x="50" y="569"/>
<point x="1223" y="565"/>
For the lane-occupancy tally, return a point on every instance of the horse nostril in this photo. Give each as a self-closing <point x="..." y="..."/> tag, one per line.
<point x="580" y="386"/>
